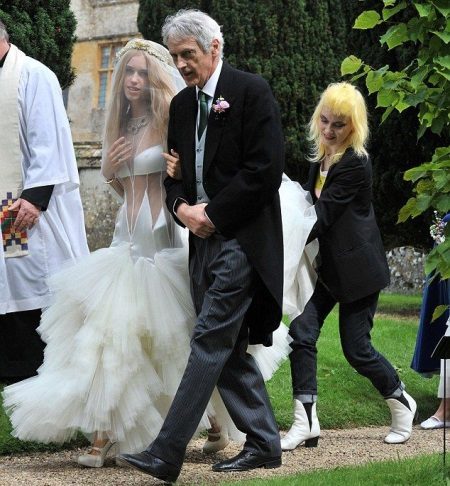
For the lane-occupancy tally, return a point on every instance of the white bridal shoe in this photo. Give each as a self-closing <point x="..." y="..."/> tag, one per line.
<point x="96" y="460"/>
<point x="402" y="419"/>
<point x="301" y="431"/>
<point x="211" y="446"/>
<point x="434" y="423"/>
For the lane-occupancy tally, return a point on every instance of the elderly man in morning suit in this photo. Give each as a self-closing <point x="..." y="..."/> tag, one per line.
<point x="225" y="128"/>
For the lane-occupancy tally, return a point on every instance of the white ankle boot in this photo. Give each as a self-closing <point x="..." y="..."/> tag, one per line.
<point x="402" y="419"/>
<point x="301" y="431"/>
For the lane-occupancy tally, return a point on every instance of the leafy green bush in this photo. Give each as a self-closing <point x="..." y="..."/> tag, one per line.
<point x="44" y="30"/>
<point x="420" y="83"/>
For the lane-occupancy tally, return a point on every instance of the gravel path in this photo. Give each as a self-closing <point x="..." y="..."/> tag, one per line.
<point x="336" y="448"/>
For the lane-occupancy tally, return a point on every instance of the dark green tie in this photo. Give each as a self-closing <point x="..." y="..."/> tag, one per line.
<point x="203" y="98"/>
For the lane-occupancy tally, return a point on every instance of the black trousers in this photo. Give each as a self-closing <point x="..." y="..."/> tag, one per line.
<point x="222" y="283"/>
<point x="355" y="325"/>
<point x="21" y="348"/>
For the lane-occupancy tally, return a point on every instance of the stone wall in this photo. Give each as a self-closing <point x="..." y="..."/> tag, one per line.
<point x="407" y="270"/>
<point x="99" y="201"/>
<point x="102" y="18"/>
<point x="100" y="206"/>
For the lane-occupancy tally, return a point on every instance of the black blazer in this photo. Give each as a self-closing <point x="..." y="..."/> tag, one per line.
<point x="242" y="170"/>
<point x="353" y="261"/>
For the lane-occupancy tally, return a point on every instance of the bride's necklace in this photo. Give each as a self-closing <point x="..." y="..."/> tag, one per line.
<point x="135" y="124"/>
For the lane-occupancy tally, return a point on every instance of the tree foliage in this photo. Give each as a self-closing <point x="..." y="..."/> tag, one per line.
<point x="392" y="144"/>
<point x="44" y="30"/>
<point x="423" y="83"/>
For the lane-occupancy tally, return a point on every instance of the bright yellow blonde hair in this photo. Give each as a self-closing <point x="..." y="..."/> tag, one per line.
<point x="342" y="99"/>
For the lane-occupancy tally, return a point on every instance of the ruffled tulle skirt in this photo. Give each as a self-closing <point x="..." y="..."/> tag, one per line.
<point x="117" y="335"/>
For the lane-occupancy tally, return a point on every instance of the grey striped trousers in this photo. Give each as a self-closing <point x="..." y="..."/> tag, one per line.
<point x="222" y="285"/>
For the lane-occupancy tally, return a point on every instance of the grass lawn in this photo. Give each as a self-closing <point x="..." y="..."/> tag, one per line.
<point x="423" y="470"/>
<point x="400" y="304"/>
<point x="346" y="399"/>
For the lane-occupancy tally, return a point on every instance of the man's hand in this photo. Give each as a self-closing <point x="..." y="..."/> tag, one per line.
<point x="173" y="164"/>
<point x="195" y="219"/>
<point x="27" y="216"/>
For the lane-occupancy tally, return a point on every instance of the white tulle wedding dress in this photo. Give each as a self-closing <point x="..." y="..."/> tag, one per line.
<point x="119" y="325"/>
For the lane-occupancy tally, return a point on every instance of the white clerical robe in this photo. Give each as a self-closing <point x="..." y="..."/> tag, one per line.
<point x="48" y="158"/>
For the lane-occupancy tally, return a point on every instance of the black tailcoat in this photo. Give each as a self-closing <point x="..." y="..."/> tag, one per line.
<point x="353" y="260"/>
<point x="242" y="170"/>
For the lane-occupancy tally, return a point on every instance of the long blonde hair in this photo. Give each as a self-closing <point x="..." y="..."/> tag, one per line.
<point x="342" y="99"/>
<point x="161" y="92"/>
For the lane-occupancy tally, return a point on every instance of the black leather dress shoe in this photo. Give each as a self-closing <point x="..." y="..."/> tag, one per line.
<point x="247" y="460"/>
<point x="149" y="464"/>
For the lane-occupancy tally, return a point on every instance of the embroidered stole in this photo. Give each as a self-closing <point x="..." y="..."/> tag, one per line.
<point x="14" y="243"/>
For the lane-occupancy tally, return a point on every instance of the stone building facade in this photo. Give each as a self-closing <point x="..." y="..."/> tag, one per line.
<point x="103" y="26"/>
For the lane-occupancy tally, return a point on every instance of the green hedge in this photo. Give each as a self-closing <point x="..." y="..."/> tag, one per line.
<point x="44" y="30"/>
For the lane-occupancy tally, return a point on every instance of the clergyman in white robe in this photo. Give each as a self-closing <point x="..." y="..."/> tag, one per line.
<point x="38" y="164"/>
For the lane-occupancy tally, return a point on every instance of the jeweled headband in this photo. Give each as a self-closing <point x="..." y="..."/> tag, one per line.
<point x="152" y="48"/>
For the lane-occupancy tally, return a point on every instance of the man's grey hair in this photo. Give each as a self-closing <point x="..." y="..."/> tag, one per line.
<point x="193" y="23"/>
<point x="3" y="32"/>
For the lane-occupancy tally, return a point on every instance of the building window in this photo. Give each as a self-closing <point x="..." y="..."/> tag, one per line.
<point x="107" y="58"/>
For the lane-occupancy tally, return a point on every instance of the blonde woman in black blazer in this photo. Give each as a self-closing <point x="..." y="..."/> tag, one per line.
<point x="352" y="268"/>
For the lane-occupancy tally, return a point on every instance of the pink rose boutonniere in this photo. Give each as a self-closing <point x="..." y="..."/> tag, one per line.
<point x="220" y="106"/>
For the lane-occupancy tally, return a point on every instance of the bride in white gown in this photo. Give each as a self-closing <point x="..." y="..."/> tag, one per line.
<point x="118" y="328"/>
